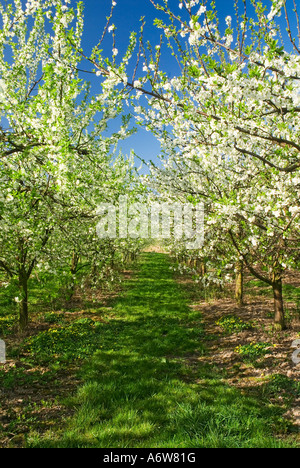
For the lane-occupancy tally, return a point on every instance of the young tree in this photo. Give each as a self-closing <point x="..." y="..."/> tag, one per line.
<point x="55" y="160"/>
<point x="250" y="220"/>
<point x="229" y="125"/>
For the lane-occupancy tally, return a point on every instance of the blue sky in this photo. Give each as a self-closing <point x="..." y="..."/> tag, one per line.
<point x="126" y="18"/>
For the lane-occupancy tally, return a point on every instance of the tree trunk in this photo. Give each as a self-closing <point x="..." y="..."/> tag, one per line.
<point x="278" y="302"/>
<point x="73" y="270"/>
<point x="23" y="304"/>
<point x="239" y="285"/>
<point x="74" y="263"/>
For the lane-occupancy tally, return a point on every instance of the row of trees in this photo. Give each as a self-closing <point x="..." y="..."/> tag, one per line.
<point x="229" y="128"/>
<point x="58" y="158"/>
<point x="228" y="123"/>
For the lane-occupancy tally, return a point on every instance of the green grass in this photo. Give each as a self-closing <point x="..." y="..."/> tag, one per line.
<point x="251" y="352"/>
<point x="291" y="295"/>
<point x="78" y="340"/>
<point x="232" y="324"/>
<point x="256" y="287"/>
<point x="144" y="387"/>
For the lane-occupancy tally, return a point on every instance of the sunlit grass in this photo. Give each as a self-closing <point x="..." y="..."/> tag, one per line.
<point x="144" y="387"/>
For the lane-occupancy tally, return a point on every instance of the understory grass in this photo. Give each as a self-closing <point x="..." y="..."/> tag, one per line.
<point x="146" y="387"/>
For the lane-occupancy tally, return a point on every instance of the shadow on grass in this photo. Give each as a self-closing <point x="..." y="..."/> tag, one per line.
<point x="145" y="386"/>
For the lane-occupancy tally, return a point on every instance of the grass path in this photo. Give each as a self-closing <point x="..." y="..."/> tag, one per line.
<point x="145" y="387"/>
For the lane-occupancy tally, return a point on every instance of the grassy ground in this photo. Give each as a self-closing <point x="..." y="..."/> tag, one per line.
<point x="151" y="382"/>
